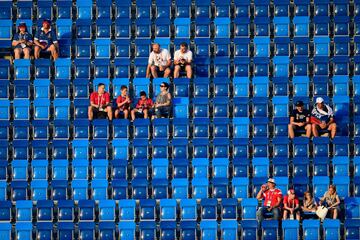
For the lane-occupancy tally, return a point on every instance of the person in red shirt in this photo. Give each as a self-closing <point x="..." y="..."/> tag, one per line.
<point x="272" y="199"/>
<point x="100" y="104"/>
<point x="142" y="107"/>
<point x="123" y="103"/>
<point x="291" y="206"/>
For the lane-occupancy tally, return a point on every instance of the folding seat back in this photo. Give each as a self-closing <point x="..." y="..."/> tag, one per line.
<point x="352" y="210"/>
<point x="167" y="209"/>
<point x="103" y="29"/>
<point x="60" y="169"/>
<point x="20" y="129"/>
<point x="331" y="228"/>
<point x="81" y="129"/>
<point x="201" y="107"/>
<point x="5" y="29"/>
<point x="188" y="209"/>
<point x="23" y="210"/>
<point x="180" y="168"/>
<point x="120" y="149"/>
<point x="341" y="65"/>
<point x="84" y="9"/>
<point x="220" y="148"/>
<point x="260" y="147"/>
<point x="81" y="108"/>
<point x="320" y="185"/>
<point x="120" y="128"/>
<point x="127" y="209"/>
<point x="262" y="26"/>
<point x="222" y="27"/>
<point x="241" y="127"/>
<point x="21" y="109"/>
<point x="122" y="27"/>
<point x="100" y="169"/>
<point x="181" y="87"/>
<point x="20" y="149"/>
<point x="321" y="166"/>
<point x="44" y="210"/>
<point x="281" y="66"/>
<point x="5" y="230"/>
<point x="352" y="229"/>
<point x="101" y="68"/>
<point x="21" y="89"/>
<point x="242" y="67"/>
<point x="280" y="147"/>
<point x="248" y="206"/>
<point x="99" y="149"/>
<point x="208" y="229"/>
<point x="280" y="167"/>
<point x="356" y="162"/>
<point x="262" y="46"/>
<point x="201" y="148"/>
<point x="200" y="167"/>
<point x="240" y="187"/>
<point x="80" y="149"/>
<point x="4" y="92"/>
<point x="221" y="67"/>
<point x="23" y="230"/>
<point x="106" y="210"/>
<point x="160" y="148"/>
<point x="100" y="129"/>
<point x="162" y="28"/>
<point x="119" y="189"/>
<point x="290" y="229"/>
<point x="140" y="188"/>
<point x="269" y="229"/>
<point x="261" y="66"/>
<point x="39" y="189"/>
<point x="41" y="109"/>
<point x="342" y="183"/>
<point x="200" y="187"/>
<point x="86" y="230"/>
<point x="62" y="88"/>
<point x="39" y="169"/>
<point x="160" y="188"/>
<point x="311" y="229"/>
<point x="241" y="147"/>
<point x="61" y="109"/>
<point x="20" y="169"/>
<point x="181" y="107"/>
<point x="66" y="210"/>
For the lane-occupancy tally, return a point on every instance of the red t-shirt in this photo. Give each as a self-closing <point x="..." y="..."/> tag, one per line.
<point x="97" y="100"/>
<point x="271" y="196"/>
<point x="121" y="99"/>
<point x="145" y="104"/>
<point x="291" y="203"/>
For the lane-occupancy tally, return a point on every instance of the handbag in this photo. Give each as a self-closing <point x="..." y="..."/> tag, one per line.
<point x="321" y="212"/>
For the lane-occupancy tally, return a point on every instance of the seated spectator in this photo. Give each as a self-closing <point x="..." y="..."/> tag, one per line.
<point x="272" y="200"/>
<point x="123" y="103"/>
<point x="142" y="107"/>
<point x="291" y="206"/>
<point x="159" y="62"/>
<point x="332" y="201"/>
<point x="299" y="120"/>
<point x="163" y="101"/>
<point x="100" y="104"/>
<point x="22" y="42"/>
<point x="322" y="117"/>
<point x="46" y="41"/>
<point x="182" y="61"/>
<point x="309" y="204"/>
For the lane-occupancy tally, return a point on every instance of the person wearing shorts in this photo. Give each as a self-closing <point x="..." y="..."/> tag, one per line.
<point x="22" y="42"/>
<point x="123" y="103"/>
<point x="46" y="41"/>
<point x="142" y="107"/>
<point x="182" y="61"/>
<point x="299" y="120"/>
<point x="159" y="62"/>
<point x="100" y="104"/>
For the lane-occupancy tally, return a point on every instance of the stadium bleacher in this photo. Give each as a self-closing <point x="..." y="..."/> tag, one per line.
<point x="196" y="174"/>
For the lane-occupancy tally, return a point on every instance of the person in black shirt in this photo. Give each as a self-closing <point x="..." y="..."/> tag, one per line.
<point x="299" y="120"/>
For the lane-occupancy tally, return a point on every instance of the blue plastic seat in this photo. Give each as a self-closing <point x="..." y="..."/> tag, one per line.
<point x="119" y="169"/>
<point x="83" y="48"/>
<point x="290" y="229"/>
<point x="182" y="27"/>
<point x="280" y="167"/>
<point x="341" y="146"/>
<point x="261" y="66"/>
<point x="122" y="48"/>
<point x="240" y="168"/>
<point x="106" y="210"/>
<point x="222" y="27"/>
<point x="342" y="183"/>
<point x="99" y="149"/>
<point x="301" y="25"/>
<point x="103" y="30"/>
<point x="39" y="169"/>
<point x="122" y="27"/>
<point x="65" y="230"/>
<point x="208" y="229"/>
<point x="21" y="109"/>
<point x="320" y="185"/>
<point x="282" y="46"/>
<point x="22" y="69"/>
<point x="188" y="209"/>
<point x="141" y="128"/>
<point x="140" y="188"/>
<point x="357" y="65"/>
<point x="61" y="109"/>
<point x="356" y="163"/>
<point x="84" y="9"/>
<point x="82" y="68"/>
<point x="81" y="89"/>
<point x="160" y="148"/>
<point x="81" y="129"/>
<point x="20" y="169"/>
<point x="80" y="149"/>
<point x="181" y="87"/>
<point x="100" y="129"/>
<point x="301" y="86"/>
<point x="180" y="107"/>
<point x="182" y="8"/>
<point x="241" y="127"/>
<point x="280" y="106"/>
<point x="260" y="147"/>
<point x="24" y="210"/>
<point x="23" y="230"/>
<point x="101" y="68"/>
<point x="180" y="188"/>
<point x="4" y="89"/>
<point x="120" y="128"/>
<point x="321" y="46"/>
<point x="6" y="12"/>
<point x="269" y="229"/>
<point x="167" y="209"/>
<point x="81" y="108"/>
<point x="241" y="147"/>
<point x="5" y="29"/>
<point x="147" y="229"/>
<point x="321" y="166"/>
<point x="86" y="210"/>
<point x="66" y="210"/>
<point x="20" y="129"/>
<point x="60" y="170"/>
<point x="222" y="47"/>
<point x="201" y="148"/>
<point x="331" y="229"/>
<point x="220" y="147"/>
<point x="83" y="29"/>
<point x="44" y="230"/>
<point x="39" y="189"/>
<point x="201" y="107"/>
<point x="240" y="186"/>
<point x="20" y="133"/>
<point x="21" y="89"/>
<point x="248" y="206"/>
<point x="321" y="147"/>
<point x="59" y="190"/>
<point x="19" y="190"/>
<point x="64" y="29"/>
<point x="321" y="25"/>
<point x="120" y="149"/>
<point x="352" y="229"/>
<point x="260" y="167"/>
<point x="140" y="168"/>
<point x="44" y="210"/>
<point x="281" y="26"/>
<point x="242" y="67"/>
<point x="262" y="26"/>
<point x="86" y="230"/>
<point x="341" y="25"/>
<point x="341" y="65"/>
<point x="20" y="150"/>
<point x="200" y="187"/>
<point x="143" y="28"/>
<point x="301" y="45"/>
<point x="202" y="8"/>
<point x="160" y="188"/>
<point x="162" y="28"/>
<point x="311" y="229"/>
<point x="180" y="168"/>
<point x="99" y="169"/>
<point x="147" y="209"/>
<point x="62" y="88"/>
<point x="140" y="149"/>
<point x="221" y="128"/>
<point x="79" y="189"/>
<point x="142" y="48"/>
<point x="200" y="167"/>
<point x="281" y="66"/>
<point x="280" y="126"/>
<point x="221" y="67"/>
<point x="119" y="189"/>
<point x="352" y="210"/>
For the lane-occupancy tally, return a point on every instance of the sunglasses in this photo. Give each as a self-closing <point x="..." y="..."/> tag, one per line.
<point x="162" y="85"/>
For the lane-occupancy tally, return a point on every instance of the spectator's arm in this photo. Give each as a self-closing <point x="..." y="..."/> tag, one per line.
<point x="278" y="202"/>
<point x="37" y="43"/>
<point x="168" y="63"/>
<point x="337" y="202"/>
<point x="331" y="121"/>
<point x="167" y="103"/>
<point x="190" y="59"/>
<point x="260" y="196"/>
<point x="14" y="43"/>
<point x="297" y="206"/>
<point x="286" y="207"/>
<point x="93" y="104"/>
<point x="292" y="121"/>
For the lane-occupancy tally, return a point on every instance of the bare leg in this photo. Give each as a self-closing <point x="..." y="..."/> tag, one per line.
<point x="126" y="113"/>
<point x="109" y="112"/>
<point x="308" y="130"/>
<point x="332" y="129"/>
<point x="188" y="70"/>
<point x="167" y="72"/>
<point x="285" y="214"/>
<point x="53" y="51"/>
<point x="26" y="53"/>
<point x="133" y="114"/>
<point x="146" y="115"/>
<point x="291" y="132"/>
<point x="176" y="71"/>
<point x="315" y="130"/>
<point x="153" y="71"/>
<point x="90" y="113"/>
<point x="17" y="53"/>
<point x="37" y="52"/>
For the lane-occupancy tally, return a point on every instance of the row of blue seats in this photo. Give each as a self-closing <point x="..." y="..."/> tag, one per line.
<point x="160" y="168"/>
<point x="204" y="67"/>
<point x="141" y="188"/>
<point x="201" y="87"/>
<point x="167" y="230"/>
<point x="162" y="9"/>
<point x="178" y="148"/>
<point x="144" y="209"/>
<point x="201" y="28"/>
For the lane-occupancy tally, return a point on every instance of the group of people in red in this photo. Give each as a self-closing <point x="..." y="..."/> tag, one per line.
<point x="101" y="107"/>
<point x="274" y="203"/>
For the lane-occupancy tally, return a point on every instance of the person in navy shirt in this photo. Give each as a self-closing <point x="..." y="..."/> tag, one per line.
<point x="22" y="42"/>
<point x="46" y="40"/>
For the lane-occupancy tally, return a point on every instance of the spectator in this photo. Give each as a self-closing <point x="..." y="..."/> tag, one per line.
<point x="291" y="206"/>
<point x="159" y="62"/>
<point x="46" y="40"/>
<point x="322" y="117"/>
<point x="299" y="120"/>
<point x="142" y="107"/>
<point x="22" y="42"/>
<point x="100" y="104"/>
<point x="272" y="200"/>
<point x="123" y="103"/>
<point x="332" y="201"/>
<point x="163" y="101"/>
<point x="309" y="204"/>
<point x="182" y="61"/>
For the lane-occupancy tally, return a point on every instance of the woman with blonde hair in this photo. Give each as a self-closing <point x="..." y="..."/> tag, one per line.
<point x="332" y="201"/>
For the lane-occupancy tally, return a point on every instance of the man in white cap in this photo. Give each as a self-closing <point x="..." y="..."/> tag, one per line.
<point x="272" y="200"/>
<point x="322" y="117"/>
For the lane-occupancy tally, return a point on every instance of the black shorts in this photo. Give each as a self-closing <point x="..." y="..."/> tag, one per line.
<point x="98" y="114"/>
<point x="297" y="128"/>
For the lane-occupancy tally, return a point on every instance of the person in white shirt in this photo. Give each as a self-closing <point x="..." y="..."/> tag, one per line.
<point x="159" y="62"/>
<point x="182" y="61"/>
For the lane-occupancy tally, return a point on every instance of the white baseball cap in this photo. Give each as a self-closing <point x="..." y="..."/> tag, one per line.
<point x="319" y="100"/>
<point x="271" y="180"/>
